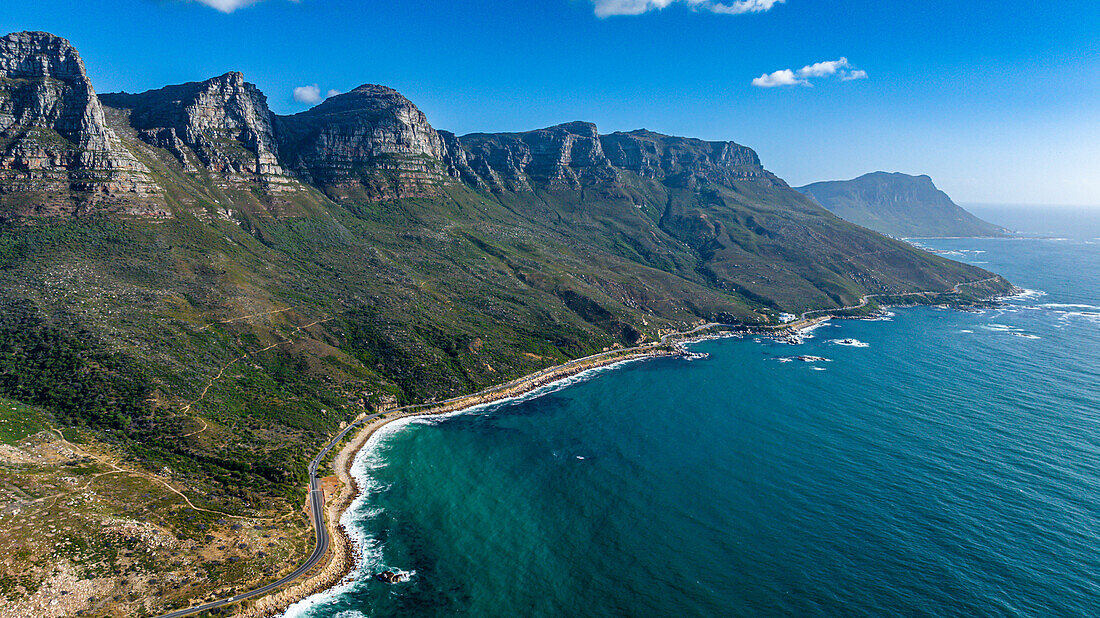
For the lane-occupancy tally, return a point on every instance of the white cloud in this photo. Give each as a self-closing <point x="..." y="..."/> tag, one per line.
<point x="607" y="8"/>
<point x="785" y="77"/>
<point x="226" y="6"/>
<point x="789" y="77"/>
<point x="311" y="95"/>
<point x="823" y="69"/>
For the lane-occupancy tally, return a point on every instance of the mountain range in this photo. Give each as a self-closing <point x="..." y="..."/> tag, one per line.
<point x="899" y="205"/>
<point x="210" y="289"/>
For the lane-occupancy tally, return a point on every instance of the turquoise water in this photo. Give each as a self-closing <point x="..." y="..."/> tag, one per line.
<point x="951" y="466"/>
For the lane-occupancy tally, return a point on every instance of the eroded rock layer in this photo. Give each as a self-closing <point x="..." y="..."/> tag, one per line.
<point x="222" y="124"/>
<point x="370" y="142"/>
<point x="57" y="155"/>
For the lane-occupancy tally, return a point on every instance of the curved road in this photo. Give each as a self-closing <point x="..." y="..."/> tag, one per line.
<point x="317" y="495"/>
<point x="317" y="507"/>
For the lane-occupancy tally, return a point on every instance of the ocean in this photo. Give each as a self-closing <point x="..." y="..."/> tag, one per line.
<point x="934" y="462"/>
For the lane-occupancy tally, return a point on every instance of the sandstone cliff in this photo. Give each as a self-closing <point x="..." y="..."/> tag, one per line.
<point x="575" y="155"/>
<point x="222" y="124"/>
<point x="57" y="155"/>
<point x="370" y="142"/>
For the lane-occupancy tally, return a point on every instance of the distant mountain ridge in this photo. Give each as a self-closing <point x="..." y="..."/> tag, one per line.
<point x="214" y="289"/>
<point x="899" y="205"/>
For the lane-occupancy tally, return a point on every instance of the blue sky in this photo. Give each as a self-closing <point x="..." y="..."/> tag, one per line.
<point x="998" y="101"/>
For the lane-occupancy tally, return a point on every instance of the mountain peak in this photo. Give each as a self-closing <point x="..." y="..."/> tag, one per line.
<point x="40" y="54"/>
<point x="58" y="133"/>
<point x="222" y="123"/>
<point x="898" y="204"/>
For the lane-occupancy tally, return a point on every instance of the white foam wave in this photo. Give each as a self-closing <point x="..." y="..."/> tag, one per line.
<point x="853" y="343"/>
<point x="1026" y="294"/>
<point x="1091" y="316"/>
<point x="1070" y="306"/>
<point x="372" y="457"/>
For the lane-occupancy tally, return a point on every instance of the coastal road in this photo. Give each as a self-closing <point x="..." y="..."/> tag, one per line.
<point x="317" y="496"/>
<point x="863" y="301"/>
<point x="321" y="536"/>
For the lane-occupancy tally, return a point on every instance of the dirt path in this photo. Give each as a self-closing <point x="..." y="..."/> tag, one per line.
<point x="245" y="317"/>
<point x="221" y="372"/>
<point x="116" y="469"/>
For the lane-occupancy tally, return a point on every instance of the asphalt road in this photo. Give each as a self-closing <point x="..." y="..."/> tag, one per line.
<point x="317" y="507"/>
<point x="317" y="496"/>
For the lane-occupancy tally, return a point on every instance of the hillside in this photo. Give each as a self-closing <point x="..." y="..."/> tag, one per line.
<point x="207" y="290"/>
<point x="899" y="205"/>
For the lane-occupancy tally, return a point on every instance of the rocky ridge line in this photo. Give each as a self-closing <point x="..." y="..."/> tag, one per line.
<point x="57" y="154"/>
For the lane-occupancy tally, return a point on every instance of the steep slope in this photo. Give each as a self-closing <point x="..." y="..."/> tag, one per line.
<point x="222" y="125"/>
<point x="898" y="204"/>
<point x="370" y="143"/>
<point x="57" y="155"/>
<point x="302" y="269"/>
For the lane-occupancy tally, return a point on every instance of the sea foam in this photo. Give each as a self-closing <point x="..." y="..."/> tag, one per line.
<point x="368" y="549"/>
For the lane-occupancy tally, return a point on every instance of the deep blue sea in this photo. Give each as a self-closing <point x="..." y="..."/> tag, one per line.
<point x="948" y="465"/>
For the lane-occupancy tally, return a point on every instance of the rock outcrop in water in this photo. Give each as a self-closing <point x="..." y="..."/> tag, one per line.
<point x="57" y="154"/>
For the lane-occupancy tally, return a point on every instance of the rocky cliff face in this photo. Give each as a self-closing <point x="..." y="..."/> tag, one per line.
<point x="566" y="156"/>
<point x="222" y="124"/>
<point x="370" y="142"/>
<point x="684" y="161"/>
<point x="57" y="154"/>
<point x="574" y="155"/>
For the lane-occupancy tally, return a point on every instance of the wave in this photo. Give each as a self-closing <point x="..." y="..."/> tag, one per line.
<point x="1091" y="316"/>
<point x="853" y="343"/>
<point x="1009" y="330"/>
<point x="1026" y="294"/>
<point x="371" y="457"/>
<point x="1070" y="306"/>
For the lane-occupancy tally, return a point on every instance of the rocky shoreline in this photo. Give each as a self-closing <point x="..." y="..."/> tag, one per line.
<point x="343" y="559"/>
